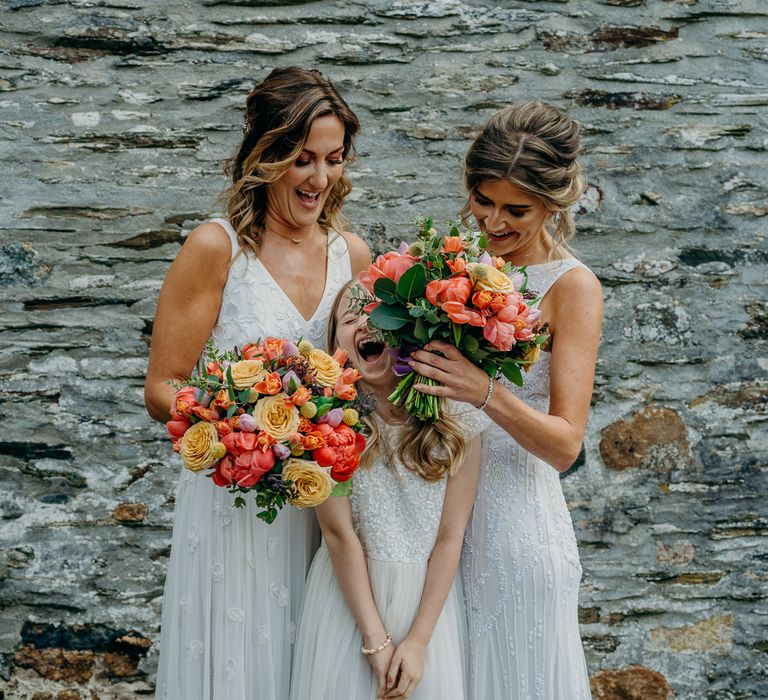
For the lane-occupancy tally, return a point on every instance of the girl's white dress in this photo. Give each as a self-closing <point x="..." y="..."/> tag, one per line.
<point x="235" y="584"/>
<point x="396" y="515"/>
<point x="520" y="564"/>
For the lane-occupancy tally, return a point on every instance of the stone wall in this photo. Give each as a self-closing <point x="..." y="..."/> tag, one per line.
<point x="114" y="118"/>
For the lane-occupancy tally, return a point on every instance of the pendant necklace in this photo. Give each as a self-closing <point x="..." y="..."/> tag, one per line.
<point x="295" y="241"/>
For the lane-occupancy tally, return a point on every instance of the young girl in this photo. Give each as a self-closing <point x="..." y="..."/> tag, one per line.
<point x="383" y="615"/>
<point x="520" y="565"/>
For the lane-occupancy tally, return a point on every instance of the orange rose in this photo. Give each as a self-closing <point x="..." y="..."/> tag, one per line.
<point x="213" y="369"/>
<point x="456" y="289"/>
<point x="273" y="348"/>
<point x="253" y="352"/>
<point x="453" y="244"/>
<point x="313" y="440"/>
<point x="222" y="400"/>
<point x="270" y="385"/>
<point x="301" y="396"/>
<point x="458" y="266"/>
<point x="209" y="415"/>
<point x="482" y="300"/>
<point x="346" y="392"/>
<point x="458" y="313"/>
<point x="341" y="356"/>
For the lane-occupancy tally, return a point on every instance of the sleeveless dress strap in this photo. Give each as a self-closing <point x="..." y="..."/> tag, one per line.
<point x="224" y="223"/>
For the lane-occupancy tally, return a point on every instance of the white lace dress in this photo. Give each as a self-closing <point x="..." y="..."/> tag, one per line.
<point x="396" y="515"/>
<point x="520" y="565"/>
<point x="234" y="584"/>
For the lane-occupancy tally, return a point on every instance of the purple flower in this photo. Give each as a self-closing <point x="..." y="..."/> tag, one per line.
<point x="518" y="280"/>
<point x="403" y="249"/>
<point x="290" y="349"/>
<point x="291" y="382"/>
<point x="334" y="417"/>
<point x="281" y="451"/>
<point x="247" y="423"/>
<point x="204" y="399"/>
<point x="401" y="367"/>
<point x="485" y="259"/>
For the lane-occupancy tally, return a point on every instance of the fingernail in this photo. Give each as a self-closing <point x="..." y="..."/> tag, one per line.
<point x="411" y="362"/>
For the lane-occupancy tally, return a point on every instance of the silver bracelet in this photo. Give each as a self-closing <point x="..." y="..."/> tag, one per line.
<point x="485" y="403"/>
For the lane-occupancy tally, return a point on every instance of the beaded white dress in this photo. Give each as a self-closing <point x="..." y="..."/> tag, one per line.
<point x="234" y="584"/>
<point x="520" y="564"/>
<point x="396" y="515"/>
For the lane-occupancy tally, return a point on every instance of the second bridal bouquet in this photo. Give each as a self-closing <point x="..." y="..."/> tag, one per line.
<point x="449" y="288"/>
<point x="279" y="419"/>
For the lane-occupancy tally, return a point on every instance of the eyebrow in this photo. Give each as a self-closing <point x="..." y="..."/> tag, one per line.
<point x="478" y="193"/>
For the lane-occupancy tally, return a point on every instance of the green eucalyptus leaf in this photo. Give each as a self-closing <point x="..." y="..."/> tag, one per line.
<point x="511" y="370"/>
<point x="412" y="283"/>
<point x="385" y="289"/>
<point x="470" y="343"/>
<point x="342" y="488"/>
<point x="389" y="317"/>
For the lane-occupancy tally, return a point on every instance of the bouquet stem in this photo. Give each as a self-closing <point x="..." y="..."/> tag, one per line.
<point x="421" y="406"/>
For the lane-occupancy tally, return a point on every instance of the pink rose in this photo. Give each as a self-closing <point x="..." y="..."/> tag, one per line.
<point x="237" y="443"/>
<point x="224" y="472"/>
<point x="391" y="265"/>
<point x="499" y="334"/>
<point x="251" y="466"/>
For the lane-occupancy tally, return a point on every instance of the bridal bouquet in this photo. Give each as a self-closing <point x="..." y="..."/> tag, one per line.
<point x="276" y="418"/>
<point x="449" y="288"/>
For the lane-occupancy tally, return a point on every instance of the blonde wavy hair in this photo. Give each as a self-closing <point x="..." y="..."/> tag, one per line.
<point x="279" y="113"/>
<point x="431" y="450"/>
<point x="534" y="146"/>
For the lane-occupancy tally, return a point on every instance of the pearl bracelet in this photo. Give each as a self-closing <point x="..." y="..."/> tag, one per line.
<point x="376" y="650"/>
<point x="483" y="405"/>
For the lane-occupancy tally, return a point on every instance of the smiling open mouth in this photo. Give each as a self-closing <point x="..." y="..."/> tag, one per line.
<point x="308" y="198"/>
<point x="498" y="236"/>
<point x="370" y="350"/>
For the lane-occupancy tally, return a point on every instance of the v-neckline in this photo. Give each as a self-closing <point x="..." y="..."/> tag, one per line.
<point x="288" y="298"/>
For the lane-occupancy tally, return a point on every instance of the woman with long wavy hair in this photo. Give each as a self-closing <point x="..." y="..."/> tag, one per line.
<point x="271" y="267"/>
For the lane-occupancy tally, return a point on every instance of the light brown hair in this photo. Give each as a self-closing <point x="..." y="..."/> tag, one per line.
<point x="279" y="113"/>
<point x="534" y="146"/>
<point x="431" y="450"/>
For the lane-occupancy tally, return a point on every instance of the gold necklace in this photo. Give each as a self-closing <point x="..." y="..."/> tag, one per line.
<point x="295" y="241"/>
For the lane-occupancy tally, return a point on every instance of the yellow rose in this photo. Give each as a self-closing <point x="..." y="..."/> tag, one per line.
<point x="531" y="356"/>
<point x="200" y="447"/>
<point x="312" y="483"/>
<point x="276" y="417"/>
<point x="488" y="278"/>
<point x="328" y="370"/>
<point x="246" y="373"/>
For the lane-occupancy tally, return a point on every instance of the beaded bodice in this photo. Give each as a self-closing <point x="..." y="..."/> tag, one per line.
<point x="395" y="512"/>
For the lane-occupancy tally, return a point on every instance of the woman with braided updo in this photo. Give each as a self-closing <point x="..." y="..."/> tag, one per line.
<point x="520" y="563"/>
<point x="272" y="267"/>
